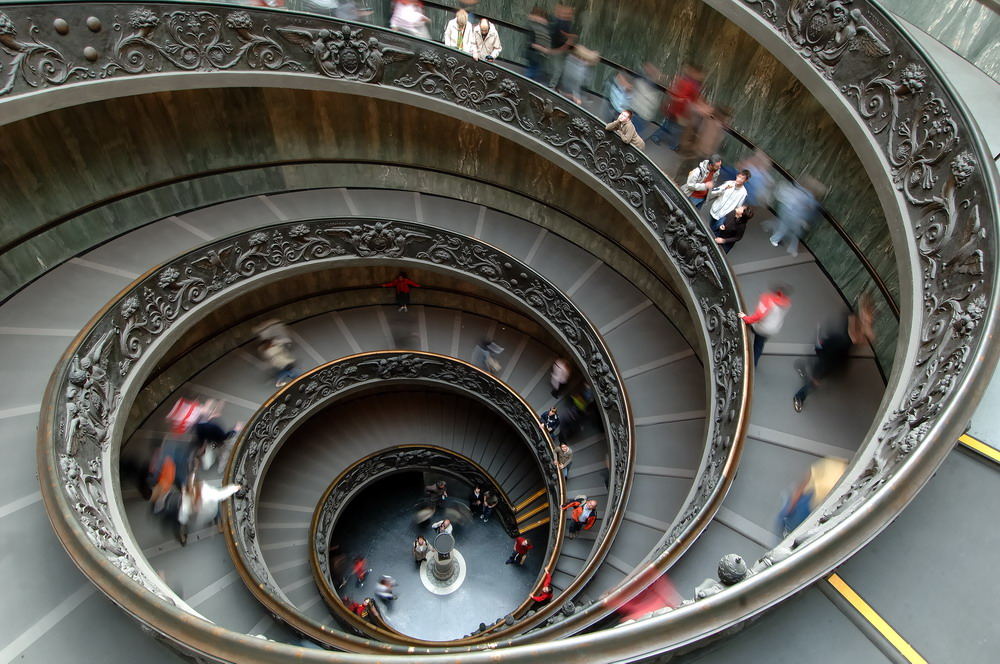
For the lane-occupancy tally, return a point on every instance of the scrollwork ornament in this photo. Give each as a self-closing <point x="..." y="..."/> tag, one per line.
<point x="193" y="40"/>
<point x="36" y="63"/>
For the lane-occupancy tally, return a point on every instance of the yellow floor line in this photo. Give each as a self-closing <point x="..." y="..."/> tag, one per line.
<point x="530" y="499"/>
<point x="879" y="623"/>
<point x="527" y="515"/>
<point x="540" y="522"/>
<point x="979" y="446"/>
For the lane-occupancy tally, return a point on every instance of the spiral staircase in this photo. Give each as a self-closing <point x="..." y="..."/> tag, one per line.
<point x="633" y="294"/>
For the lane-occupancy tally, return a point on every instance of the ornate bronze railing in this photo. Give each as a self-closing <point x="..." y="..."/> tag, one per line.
<point x="271" y="425"/>
<point x="363" y="473"/>
<point x="178" y="45"/>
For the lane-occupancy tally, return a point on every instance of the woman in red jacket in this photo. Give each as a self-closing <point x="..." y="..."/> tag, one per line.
<point x="402" y="284"/>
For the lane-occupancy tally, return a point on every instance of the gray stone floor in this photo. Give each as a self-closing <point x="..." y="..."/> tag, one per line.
<point x="384" y="531"/>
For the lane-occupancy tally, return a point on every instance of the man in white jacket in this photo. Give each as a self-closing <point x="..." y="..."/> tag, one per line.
<point x="458" y="33"/>
<point x="727" y="197"/>
<point x="486" y="41"/>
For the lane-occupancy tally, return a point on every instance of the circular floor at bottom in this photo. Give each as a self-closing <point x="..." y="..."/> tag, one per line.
<point x="379" y="526"/>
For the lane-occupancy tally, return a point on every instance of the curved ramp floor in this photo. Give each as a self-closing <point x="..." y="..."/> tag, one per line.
<point x="38" y="323"/>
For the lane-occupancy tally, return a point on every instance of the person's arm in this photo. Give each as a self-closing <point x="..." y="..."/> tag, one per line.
<point x="411" y="283"/>
<point x="613" y="125"/>
<point x="390" y="284"/>
<point x="760" y="312"/>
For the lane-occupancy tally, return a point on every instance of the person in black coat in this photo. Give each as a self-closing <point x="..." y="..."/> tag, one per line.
<point x="733" y="225"/>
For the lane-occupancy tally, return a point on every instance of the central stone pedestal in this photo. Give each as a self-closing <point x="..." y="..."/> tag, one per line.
<point x="444" y="570"/>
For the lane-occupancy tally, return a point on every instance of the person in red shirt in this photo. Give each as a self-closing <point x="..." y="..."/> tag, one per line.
<point x="768" y="317"/>
<point x="521" y="548"/>
<point x="544" y="593"/>
<point x="402" y="284"/>
<point x="685" y="90"/>
<point x="360" y="570"/>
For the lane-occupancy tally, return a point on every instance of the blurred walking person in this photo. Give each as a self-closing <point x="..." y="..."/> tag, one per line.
<point x="484" y="356"/>
<point x="458" y="33"/>
<point x="563" y="38"/>
<point x="200" y="505"/>
<point x="834" y="348"/>
<point x="760" y="186"/>
<point x="823" y="476"/>
<point x="646" y="97"/>
<point x="577" y="72"/>
<point x="559" y="376"/>
<point x="385" y="589"/>
<point x="539" y="45"/>
<point x="408" y="16"/>
<point x="768" y="318"/>
<point x="360" y="570"/>
<point x="683" y="91"/>
<point x="797" y="207"/>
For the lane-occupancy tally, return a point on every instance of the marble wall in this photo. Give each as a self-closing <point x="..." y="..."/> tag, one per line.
<point x="770" y="107"/>
<point x="971" y="28"/>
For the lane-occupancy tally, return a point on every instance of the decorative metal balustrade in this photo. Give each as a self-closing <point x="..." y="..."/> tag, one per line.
<point x="365" y="472"/>
<point x="917" y="132"/>
<point x="271" y="425"/>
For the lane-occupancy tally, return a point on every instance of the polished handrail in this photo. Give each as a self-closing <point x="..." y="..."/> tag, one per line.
<point x="271" y="425"/>
<point x="475" y="91"/>
<point x="321" y="527"/>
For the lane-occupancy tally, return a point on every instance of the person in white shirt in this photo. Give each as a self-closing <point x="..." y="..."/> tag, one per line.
<point x="443" y="526"/>
<point x="727" y="197"/>
<point x="458" y="33"/>
<point x="487" y="41"/>
<point x="200" y="505"/>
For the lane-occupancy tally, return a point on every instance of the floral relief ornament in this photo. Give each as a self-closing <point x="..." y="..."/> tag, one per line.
<point x="36" y="63"/>
<point x="193" y="40"/>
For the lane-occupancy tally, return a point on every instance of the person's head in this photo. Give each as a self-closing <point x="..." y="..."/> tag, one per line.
<point x="564" y="447"/>
<point x="461" y="18"/>
<point x="420" y="540"/>
<point x="537" y="12"/>
<point x="744" y="212"/>
<point x="591" y="504"/>
<point x="625" y="115"/>
<point x="552" y="411"/>
<point x="782" y="289"/>
<point x="441" y="484"/>
<point x="484" y="27"/>
<point x="403" y="274"/>
<point x="715" y="162"/>
<point x="446" y="523"/>
<point x="742" y="177"/>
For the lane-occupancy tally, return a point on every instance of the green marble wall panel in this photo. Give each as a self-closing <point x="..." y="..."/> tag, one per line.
<point x="134" y="160"/>
<point x="971" y="28"/>
<point x="769" y="105"/>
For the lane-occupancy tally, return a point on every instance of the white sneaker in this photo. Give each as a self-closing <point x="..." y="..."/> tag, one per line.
<point x="773" y="243"/>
